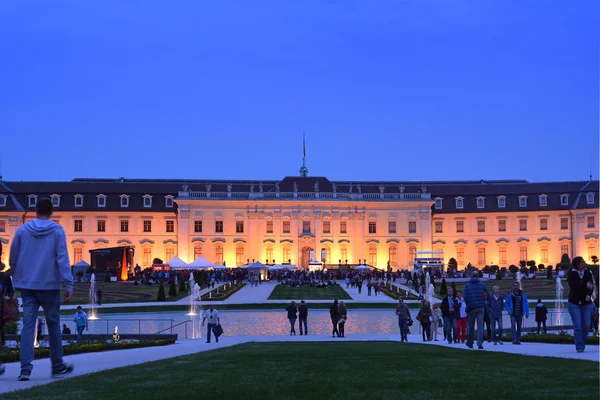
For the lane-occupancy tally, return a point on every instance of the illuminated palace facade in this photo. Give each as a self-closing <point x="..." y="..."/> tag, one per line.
<point x="297" y="218"/>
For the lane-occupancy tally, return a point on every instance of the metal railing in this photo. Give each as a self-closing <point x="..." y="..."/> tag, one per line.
<point x="306" y="195"/>
<point x="110" y="323"/>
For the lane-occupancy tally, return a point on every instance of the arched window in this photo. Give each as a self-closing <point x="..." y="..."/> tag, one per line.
<point x="269" y="253"/>
<point x="219" y="254"/>
<point x="523" y="253"/>
<point x="169" y="253"/>
<point x="239" y="255"/>
<point x="544" y="251"/>
<point x="502" y="255"/>
<point x="481" y="255"/>
<point x="197" y="251"/>
<point x="287" y="253"/>
<point x="343" y="254"/>
<point x="373" y="256"/>
<point x="327" y="254"/>
<point x="412" y="250"/>
<point x="392" y="256"/>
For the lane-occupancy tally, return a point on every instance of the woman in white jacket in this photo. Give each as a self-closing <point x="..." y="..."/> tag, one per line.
<point x="436" y="316"/>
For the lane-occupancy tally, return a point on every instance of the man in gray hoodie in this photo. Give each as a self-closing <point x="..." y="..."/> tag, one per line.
<point x="40" y="262"/>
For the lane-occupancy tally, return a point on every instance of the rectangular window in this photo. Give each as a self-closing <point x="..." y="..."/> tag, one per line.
<point x="564" y="224"/>
<point x="147" y="201"/>
<point x="412" y="226"/>
<point x="124" y="201"/>
<point x="522" y="201"/>
<point x="459" y="203"/>
<point x="372" y="227"/>
<point x="169" y="202"/>
<point x="198" y="226"/>
<point x="147" y="226"/>
<point x="544" y="254"/>
<point x="502" y="225"/>
<point x="101" y="225"/>
<point x="286" y="226"/>
<point x="101" y="201"/>
<point x="564" y="249"/>
<point x="197" y="252"/>
<point x="32" y="201"/>
<point x="78" y="201"/>
<point x="326" y="226"/>
<point x="392" y="226"/>
<point x="170" y="227"/>
<point x="2" y="226"/>
<point x="481" y="255"/>
<point x="269" y="226"/>
<point x="480" y="202"/>
<point x="480" y="226"/>
<point x="460" y="256"/>
<point x="306" y="226"/>
<point x="169" y="253"/>
<point x="343" y="227"/>
<point x="239" y="255"/>
<point x="591" y="220"/>
<point x="522" y="225"/>
<point x="147" y="259"/>
<point x="543" y="224"/>
<point x="55" y="201"/>
<point x="523" y="253"/>
<point x="564" y="200"/>
<point x="439" y="227"/>
<point x="460" y="226"/>
<point x="77" y="255"/>
<point x="219" y="226"/>
<point x="438" y="204"/>
<point x="543" y="201"/>
<point x="373" y="256"/>
<point x="501" y="202"/>
<point x="124" y="225"/>
<point x="78" y="225"/>
<point x="219" y="255"/>
<point x="3" y="200"/>
<point x="239" y="226"/>
<point x="502" y="253"/>
<point x="287" y="254"/>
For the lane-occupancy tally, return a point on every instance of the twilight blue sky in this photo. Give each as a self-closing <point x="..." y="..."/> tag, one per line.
<point x="385" y="90"/>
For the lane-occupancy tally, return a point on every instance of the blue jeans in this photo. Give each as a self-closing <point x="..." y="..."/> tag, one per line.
<point x="211" y="328"/>
<point x="581" y="315"/>
<point x="516" y="322"/>
<point x="50" y="302"/>
<point x="80" y="333"/>
<point x="450" y="328"/>
<point x="403" y="325"/>
<point x="496" y="333"/>
<point x="302" y="322"/>
<point x="292" y="325"/>
<point x="475" y="315"/>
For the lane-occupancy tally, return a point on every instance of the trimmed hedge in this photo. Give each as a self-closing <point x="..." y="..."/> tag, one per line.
<point x="392" y="291"/>
<point x="553" y="338"/>
<point x="12" y="355"/>
<point x="223" y="293"/>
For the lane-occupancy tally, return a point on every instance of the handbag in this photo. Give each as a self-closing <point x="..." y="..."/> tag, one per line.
<point x="419" y="316"/>
<point x="10" y="310"/>
<point x="218" y="330"/>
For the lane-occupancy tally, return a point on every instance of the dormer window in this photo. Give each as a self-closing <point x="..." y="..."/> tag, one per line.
<point x="438" y="203"/>
<point x="481" y="202"/>
<point x="522" y="201"/>
<point x="460" y="203"/>
<point x="501" y="202"/>
<point x="543" y="200"/>
<point x="55" y="200"/>
<point x="124" y="201"/>
<point x="590" y="198"/>
<point x="147" y="201"/>
<point x="3" y="200"/>
<point x="101" y="200"/>
<point x="78" y="200"/>
<point x="32" y="200"/>
<point x="564" y="199"/>
<point x="169" y="201"/>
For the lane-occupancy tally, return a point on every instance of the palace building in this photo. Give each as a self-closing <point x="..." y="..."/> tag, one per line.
<point x="300" y="217"/>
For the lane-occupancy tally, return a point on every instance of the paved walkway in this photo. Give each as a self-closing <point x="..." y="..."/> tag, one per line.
<point x="95" y="362"/>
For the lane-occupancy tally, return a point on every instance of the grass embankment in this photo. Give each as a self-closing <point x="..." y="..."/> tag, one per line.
<point x="345" y="371"/>
<point x="282" y="292"/>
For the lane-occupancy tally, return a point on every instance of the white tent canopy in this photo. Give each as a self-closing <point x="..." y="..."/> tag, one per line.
<point x="201" y="262"/>
<point x="82" y="264"/>
<point x="364" y="267"/>
<point x="177" y="262"/>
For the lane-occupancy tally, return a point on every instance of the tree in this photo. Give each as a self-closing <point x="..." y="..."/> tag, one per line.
<point x="523" y="264"/>
<point x="422" y="280"/>
<point x="443" y="288"/>
<point x="549" y="272"/>
<point x="595" y="259"/>
<point x="452" y="264"/>
<point x="531" y="263"/>
<point x="498" y="276"/>
<point x="172" y="289"/>
<point x="454" y="288"/>
<point x="541" y="267"/>
<point x="79" y="275"/>
<point x="486" y="269"/>
<point x="107" y="277"/>
<point x="157" y="261"/>
<point x="565" y="262"/>
<point x="182" y="287"/>
<point x="161" y="293"/>
<point x="513" y="269"/>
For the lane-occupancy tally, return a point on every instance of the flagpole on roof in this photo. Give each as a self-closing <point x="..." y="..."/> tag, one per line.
<point x="303" y="170"/>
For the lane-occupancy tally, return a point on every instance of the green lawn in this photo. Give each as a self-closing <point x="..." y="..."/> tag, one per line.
<point x="121" y="292"/>
<point x="344" y="371"/>
<point x="282" y="292"/>
<point x="533" y="288"/>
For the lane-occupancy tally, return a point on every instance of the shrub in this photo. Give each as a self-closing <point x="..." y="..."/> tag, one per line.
<point x="218" y="294"/>
<point x="523" y="264"/>
<point x="161" y="293"/>
<point x="90" y="270"/>
<point x="182" y="287"/>
<point x="530" y="263"/>
<point x="444" y="288"/>
<point x="498" y="276"/>
<point x="513" y="269"/>
<point x="541" y="266"/>
<point x="565" y="262"/>
<point x="107" y="277"/>
<point x="533" y="268"/>
<point x="172" y="289"/>
<point x="549" y="272"/>
<point x="454" y="288"/>
<point x="595" y="259"/>
<point x="554" y="338"/>
<point x="422" y="279"/>
<point x="79" y="275"/>
<point x="157" y="261"/>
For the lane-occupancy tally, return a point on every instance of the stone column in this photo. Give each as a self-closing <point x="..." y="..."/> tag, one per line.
<point x="183" y="234"/>
<point x="578" y="238"/>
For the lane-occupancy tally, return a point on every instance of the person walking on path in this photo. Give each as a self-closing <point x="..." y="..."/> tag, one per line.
<point x="450" y="311"/>
<point x="424" y="317"/>
<point x="403" y="314"/>
<point x="343" y="316"/>
<point x="517" y="306"/>
<point x="303" y="317"/>
<point x="495" y="306"/>
<point x="212" y="316"/>
<point x="81" y="321"/>
<point x="40" y="262"/>
<point x="292" y="312"/>
<point x="461" y="321"/>
<point x="476" y="295"/>
<point x="6" y="290"/>
<point x="436" y="318"/>
<point x="334" y="313"/>
<point x="581" y="285"/>
<point x="541" y="315"/>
